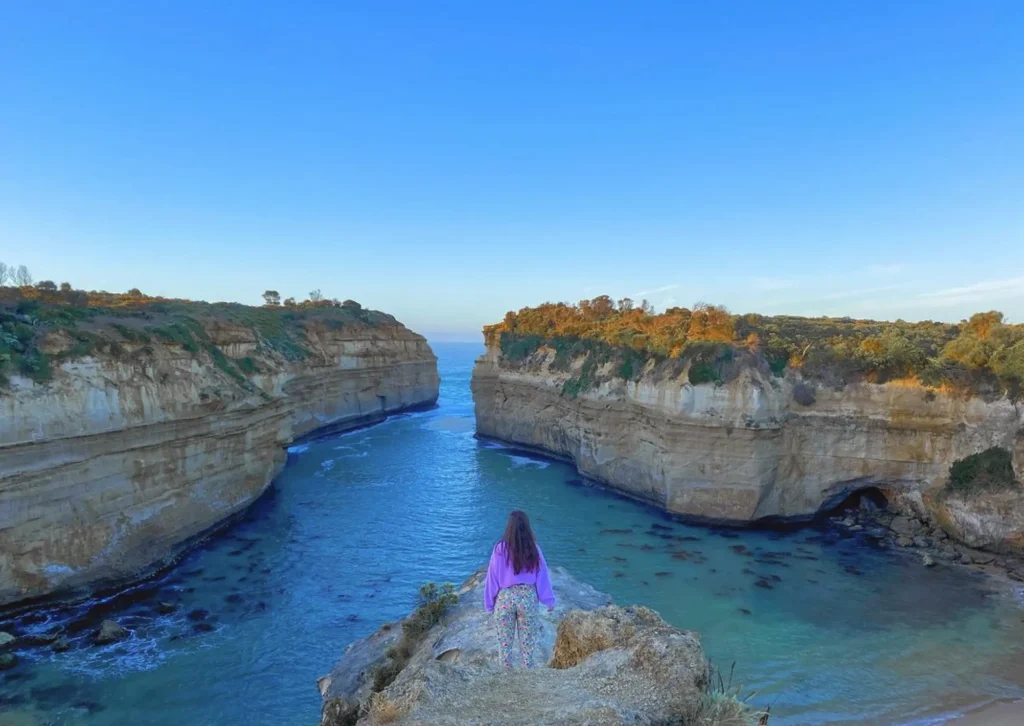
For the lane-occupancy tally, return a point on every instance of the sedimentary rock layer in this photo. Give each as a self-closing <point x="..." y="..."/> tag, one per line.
<point x="601" y="665"/>
<point x="744" y="450"/>
<point x="109" y="467"/>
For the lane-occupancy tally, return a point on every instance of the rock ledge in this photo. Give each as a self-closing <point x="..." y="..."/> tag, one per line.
<point x="607" y="665"/>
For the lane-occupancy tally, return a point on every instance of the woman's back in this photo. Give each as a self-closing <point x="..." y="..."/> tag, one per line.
<point x="517" y="578"/>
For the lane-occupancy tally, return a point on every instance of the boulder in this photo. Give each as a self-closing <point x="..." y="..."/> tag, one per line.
<point x="867" y="506"/>
<point x="987" y="520"/>
<point x="109" y="632"/>
<point x="6" y="639"/>
<point x="906" y="526"/>
<point x="975" y="557"/>
<point x="605" y="665"/>
<point x="8" y="661"/>
<point x="61" y="644"/>
<point x="904" y="541"/>
<point x="922" y="541"/>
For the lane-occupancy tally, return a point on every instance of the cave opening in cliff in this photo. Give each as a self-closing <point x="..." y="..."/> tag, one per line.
<point x="868" y="498"/>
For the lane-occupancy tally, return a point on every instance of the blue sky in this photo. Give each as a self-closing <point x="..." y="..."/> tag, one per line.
<point x="448" y="161"/>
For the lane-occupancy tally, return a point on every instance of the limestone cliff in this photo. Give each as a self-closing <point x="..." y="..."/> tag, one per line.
<point x="742" y="450"/>
<point x="157" y="434"/>
<point x="606" y="666"/>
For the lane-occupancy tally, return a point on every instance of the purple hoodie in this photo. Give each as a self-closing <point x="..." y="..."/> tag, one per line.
<point x="501" y="575"/>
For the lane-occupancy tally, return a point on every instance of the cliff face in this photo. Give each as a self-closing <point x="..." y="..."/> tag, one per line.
<point x="107" y="468"/>
<point x="605" y="666"/>
<point x="743" y="450"/>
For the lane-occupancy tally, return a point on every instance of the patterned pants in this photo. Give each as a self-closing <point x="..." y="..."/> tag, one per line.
<point x="517" y="609"/>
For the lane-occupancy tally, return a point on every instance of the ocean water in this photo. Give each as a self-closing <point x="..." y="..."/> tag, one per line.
<point x="824" y="627"/>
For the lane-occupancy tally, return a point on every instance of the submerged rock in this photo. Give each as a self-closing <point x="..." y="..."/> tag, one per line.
<point x="61" y="644"/>
<point x="608" y="665"/>
<point x="8" y="661"/>
<point x="109" y="632"/>
<point x="37" y="639"/>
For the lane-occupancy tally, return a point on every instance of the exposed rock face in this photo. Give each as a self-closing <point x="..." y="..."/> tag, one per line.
<point x="611" y="666"/>
<point x="112" y="465"/>
<point x="988" y="520"/>
<point x="745" y="450"/>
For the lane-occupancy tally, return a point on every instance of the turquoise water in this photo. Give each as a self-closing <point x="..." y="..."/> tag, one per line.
<point x="845" y="634"/>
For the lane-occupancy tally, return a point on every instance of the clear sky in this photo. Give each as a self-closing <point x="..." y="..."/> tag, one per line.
<point x="448" y="161"/>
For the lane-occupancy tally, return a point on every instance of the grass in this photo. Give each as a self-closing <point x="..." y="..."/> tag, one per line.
<point x="382" y="709"/>
<point x="988" y="471"/>
<point x="127" y="326"/>
<point x="722" y="704"/>
<point x="434" y="602"/>
<point x="247" y="365"/>
<point x="981" y="356"/>
<point x="709" y="362"/>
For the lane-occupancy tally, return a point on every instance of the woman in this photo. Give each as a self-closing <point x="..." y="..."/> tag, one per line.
<point x="517" y="577"/>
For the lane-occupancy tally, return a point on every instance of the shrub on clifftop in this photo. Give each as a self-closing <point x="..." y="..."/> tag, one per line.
<point x="988" y="471"/>
<point x="42" y="327"/>
<point x="983" y="355"/>
<point x="434" y="603"/>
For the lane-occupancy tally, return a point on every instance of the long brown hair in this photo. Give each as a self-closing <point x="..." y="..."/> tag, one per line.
<point x="520" y="544"/>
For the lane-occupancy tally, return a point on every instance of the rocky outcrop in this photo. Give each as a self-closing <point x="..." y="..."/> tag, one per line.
<point x="754" y="448"/>
<point x="124" y="455"/>
<point x="606" y="665"/>
<point x="987" y="520"/>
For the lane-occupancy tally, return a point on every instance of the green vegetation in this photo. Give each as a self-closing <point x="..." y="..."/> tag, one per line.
<point x="722" y="704"/>
<point x="988" y="471"/>
<point x="982" y="356"/>
<point x="45" y="325"/>
<point x="434" y="602"/>
<point x="247" y="365"/>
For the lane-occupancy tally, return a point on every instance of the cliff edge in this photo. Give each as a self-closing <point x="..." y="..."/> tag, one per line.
<point x="125" y="432"/>
<point x="606" y="665"/>
<point x="754" y="446"/>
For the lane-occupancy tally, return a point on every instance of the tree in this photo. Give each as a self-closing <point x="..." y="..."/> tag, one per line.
<point x="5" y="273"/>
<point x="272" y="297"/>
<point x="135" y="292"/>
<point x="65" y="287"/>
<point x="316" y="296"/>
<point x="47" y="285"/>
<point x="22" y="277"/>
<point x="289" y="302"/>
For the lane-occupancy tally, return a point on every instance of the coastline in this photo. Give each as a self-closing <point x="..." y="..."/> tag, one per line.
<point x="110" y="588"/>
<point x="999" y="713"/>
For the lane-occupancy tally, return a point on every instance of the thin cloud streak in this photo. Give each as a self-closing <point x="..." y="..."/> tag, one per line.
<point x="1009" y="287"/>
<point x="663" y="288"/>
